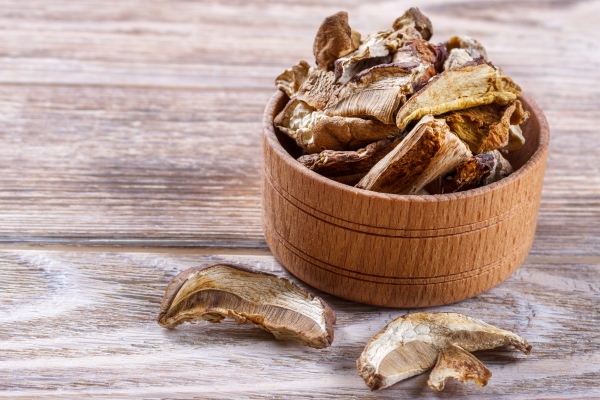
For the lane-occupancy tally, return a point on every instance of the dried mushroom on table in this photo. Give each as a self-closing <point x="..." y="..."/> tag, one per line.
<point x="264" y="300"/>
<point x="393" y="112"/>
<point x="415" y="343"/>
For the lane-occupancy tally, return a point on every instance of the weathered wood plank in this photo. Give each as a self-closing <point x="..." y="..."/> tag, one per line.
<point x="140" y="125"/>
<point x="84" y="323"/>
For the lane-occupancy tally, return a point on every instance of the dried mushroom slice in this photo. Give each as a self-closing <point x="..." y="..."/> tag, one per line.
<point x="374" y="50"/>
<point x="267" y="301"/>
<point x="415" y="343"/>
<point x="457" y="58"/>
<point x="315" y="132"/>
<point x="475" y="84"/>
<point x="501" y="169"/>
<point x="334" y="39"/>
<point x="344" y="133"/>
<point x="422" y="52"/>
<point x="297" y="119"/>
<point x="413" y="20"/>
<point x="469" y="174"/>
<point x="470" y="45"/>
<point x="290" y="80"/>
<point x="348" y="163"/>
<point x="376" y="92"/>
<point x="485" y="128"/>
<point x="516" y="140"/>
<point x="456" y="363"/>
<point x="317" y="88"/>
<point x="428" y="151"/>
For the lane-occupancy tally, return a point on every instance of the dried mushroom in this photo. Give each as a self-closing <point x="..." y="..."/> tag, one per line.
<point x="350" y="113"/>
<point x="457" y="58"/>
<point x="334" y="39"/>
<point x="315" y="132"/>
<point x="290" y="80"/>
<point x="317" y="88"/>
<point x="516" y="140"/>
<point x="373" y="50"/>
<point x="428" y="151"/>
<point x="470" y="45"/>
<point x="413" y="20"/>
<point x="469" y="174"/>
<point x="421" y="51"/>
<point x="415" y="343"/>
<point x="348" y="163"/>
<point x="485" y="128"/>
<point x="267" y="301"/>
<point x="376" y="92"/>
<point x="345" y="133"/>
<point x="500" y="170"/>
<point x="473" y="85"/>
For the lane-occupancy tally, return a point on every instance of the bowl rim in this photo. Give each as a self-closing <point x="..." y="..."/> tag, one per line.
<point x="537" y="157"/>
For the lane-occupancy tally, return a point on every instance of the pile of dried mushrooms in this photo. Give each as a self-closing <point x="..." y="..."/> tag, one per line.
<point x="395" y="113"/>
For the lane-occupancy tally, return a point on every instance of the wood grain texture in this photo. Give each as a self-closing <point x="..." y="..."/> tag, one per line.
<point x="400" y="251"/>
<point x="75" y="324"/>
<point x="89" y="89"/>
<point x="136" y="126"/>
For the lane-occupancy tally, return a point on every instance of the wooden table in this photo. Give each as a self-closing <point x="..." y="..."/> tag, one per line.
<point x="130" y="150"/>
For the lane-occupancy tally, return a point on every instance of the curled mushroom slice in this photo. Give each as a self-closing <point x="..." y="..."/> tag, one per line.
<point x="315" y="132"/>
<point x="501" y="169"/>
<point x="470" y="45"/>
<point x="469" y="174"/>
<point x="475" y="84"/>
<point x="317" y="88"/>
<point x="334" y="39"/>
<point x="267" y="301"/>
<point x="428" y="151"/>
<point x="344" y="133"/>
<point x="374" y="50"/>
<point x="415" y="343"/>
<point x="456" y="363"/>
<point x="456" y="59"/>
<point x="297" y="118"/>
<point x="348" y="164"/>
<point x="516" y="140"/>
<point x="421" y="51"/>
<point x="413" y="20"/>
<point x="376" y="92"/>
<point x="485" y="128"/>
<point x="290" y="80"/>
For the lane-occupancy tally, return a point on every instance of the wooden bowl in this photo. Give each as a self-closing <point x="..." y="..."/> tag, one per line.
<point x="395" y="250"/>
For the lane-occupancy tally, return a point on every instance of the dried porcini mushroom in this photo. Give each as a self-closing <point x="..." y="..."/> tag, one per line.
<point x="501" y="169"/>
<point x="485" y="128"/>
<point x="315" y="132"/>
<point x="264" y="300"/>
<point x="334" y="39"/>
<point x="469" y="174"/>
<point x="374" y="50"/>
<point x="376" y="92"/>
<point x="367" y="94"/>
<point x="344" y="133"/>
<point x="470" y="45"/>
<point x="289" y="81"/>
<point x="457" y="58"/>
<point x="317" y="88"/>
<point x="348" y="163"/>
<point x="428" y="151"/>
<point x="414" y="20"/>
<point x="475" y="84"/>
<point x="415" y="343"/>
<point x="516" y="140"/>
